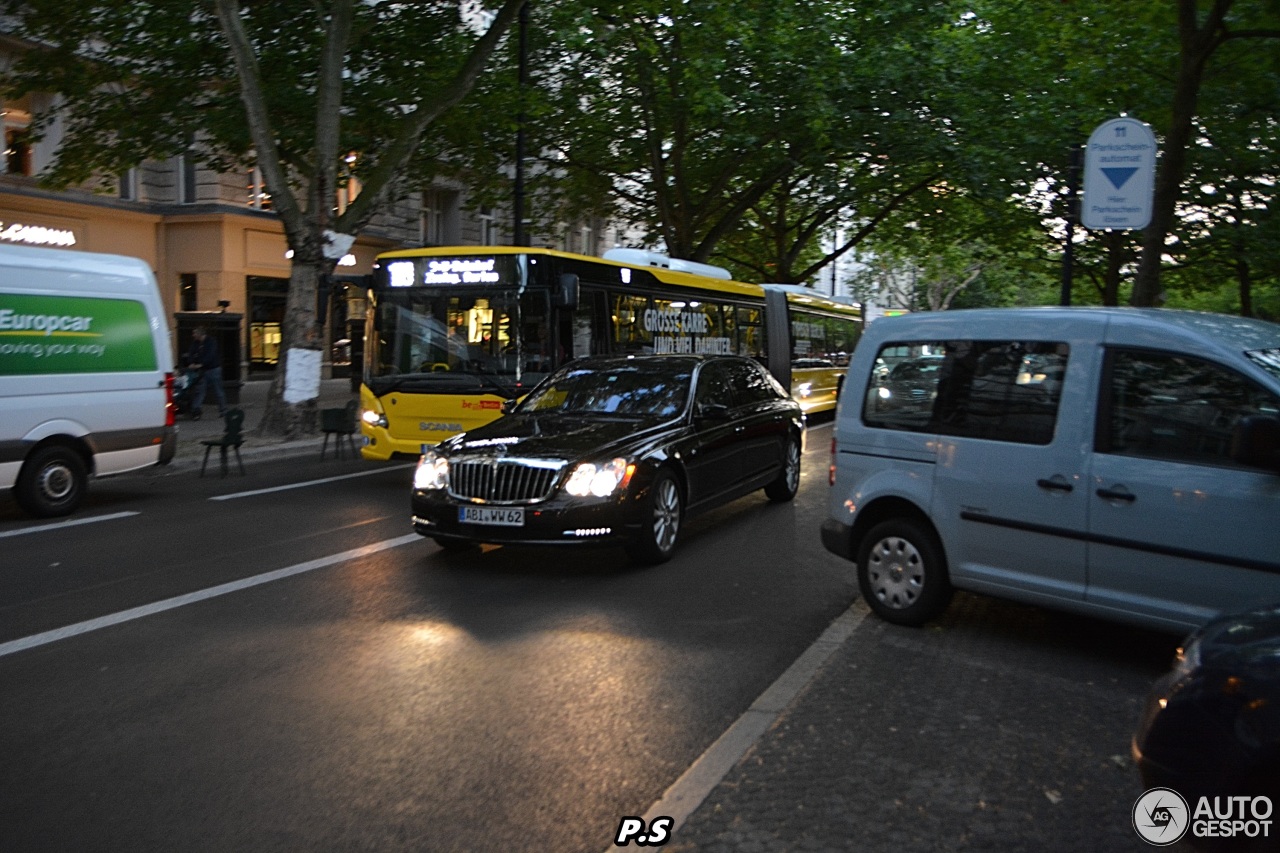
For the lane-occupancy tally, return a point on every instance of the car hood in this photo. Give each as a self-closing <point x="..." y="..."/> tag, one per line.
<point x="543" y="436"/>
<point x="1248" y="642"/>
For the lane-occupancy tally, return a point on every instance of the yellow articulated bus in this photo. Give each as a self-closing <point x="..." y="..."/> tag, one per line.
<point x="819" y="335"/>
<point x="452" y="333"/>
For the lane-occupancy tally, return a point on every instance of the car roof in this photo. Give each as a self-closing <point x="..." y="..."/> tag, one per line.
<point x="689" y="360"/>
<point x="1157" y="327"/>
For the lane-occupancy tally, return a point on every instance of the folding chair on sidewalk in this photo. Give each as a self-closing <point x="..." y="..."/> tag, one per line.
<point x="232" y="439"/>
<point x="339" y="423"/>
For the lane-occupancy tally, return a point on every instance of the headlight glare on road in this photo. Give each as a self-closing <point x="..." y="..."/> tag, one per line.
<point x="432" y="472"/>
<point x="599" y="480"/>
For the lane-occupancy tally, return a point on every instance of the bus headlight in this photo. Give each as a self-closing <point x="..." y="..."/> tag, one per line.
<point x="599" y="480"/>
<point x="432" y="472"/>
<point x="373" y="418"/>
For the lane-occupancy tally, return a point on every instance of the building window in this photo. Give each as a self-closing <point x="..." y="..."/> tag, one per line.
<point x="439" y="222"/>
<point x="17" y="142"/>
<point x="488" y="227"/>
<point x="186" y="179"/>
<point x="258" y="198"/>
<point x="129" y="185"/>
<point x="187" y="294"/>
<point x="349" y="185"/>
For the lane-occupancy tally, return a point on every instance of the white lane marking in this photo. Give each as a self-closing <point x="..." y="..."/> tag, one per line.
<point x="58" y="525"/>
<point x="200" y="595"/>
<point x="695" y="784"/>
<point x="305" y="483"/>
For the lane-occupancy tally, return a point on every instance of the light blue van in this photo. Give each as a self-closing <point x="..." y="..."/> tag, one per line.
<point x="1118" y="462"/>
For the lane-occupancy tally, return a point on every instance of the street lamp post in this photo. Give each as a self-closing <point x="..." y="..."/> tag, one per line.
<point x="518" y="237"/>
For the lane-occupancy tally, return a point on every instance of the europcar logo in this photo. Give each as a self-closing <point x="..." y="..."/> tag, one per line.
<point x="1161" y="817"/>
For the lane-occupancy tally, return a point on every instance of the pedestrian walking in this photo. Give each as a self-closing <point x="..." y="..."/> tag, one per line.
<point x="205" y="357"/>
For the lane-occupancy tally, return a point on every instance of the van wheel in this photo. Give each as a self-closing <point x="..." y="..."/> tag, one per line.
<point x="785" y="487"/>
<point x="901" y="572"/>
<point x="660" y="525"/>
<point x="52" y="482"/>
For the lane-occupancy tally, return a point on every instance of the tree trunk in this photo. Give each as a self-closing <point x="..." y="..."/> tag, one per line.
<point x="291" y="410"/>
<point x="1245" y="278"/>
<point x="1196" y="44"/>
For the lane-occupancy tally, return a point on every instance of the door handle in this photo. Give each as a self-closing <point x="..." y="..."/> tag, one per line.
<point x="1113" y="495"/>
<point x="1060" y="485"/>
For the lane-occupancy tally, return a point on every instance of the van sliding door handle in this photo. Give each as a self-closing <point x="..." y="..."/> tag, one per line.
<point x="1113" y="495"/>
<point x="1060" y="485"/>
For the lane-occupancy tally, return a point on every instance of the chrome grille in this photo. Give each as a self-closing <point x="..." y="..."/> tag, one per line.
<point x="503" y="480"/>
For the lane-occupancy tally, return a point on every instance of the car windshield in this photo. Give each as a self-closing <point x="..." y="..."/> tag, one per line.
<point x="639" y="389"/>
<point x="1268" y="359"/>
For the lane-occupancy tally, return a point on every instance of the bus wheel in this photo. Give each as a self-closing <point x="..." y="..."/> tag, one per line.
<point x="52" y="482"/>
<point x="660" y="530"/>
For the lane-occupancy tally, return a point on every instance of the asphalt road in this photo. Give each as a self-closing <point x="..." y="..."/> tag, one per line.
<point x="275" y="662"/>
<point x="381" y="694"/>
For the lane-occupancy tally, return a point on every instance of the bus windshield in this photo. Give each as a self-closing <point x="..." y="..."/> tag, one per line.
<point x="426" y="338"/>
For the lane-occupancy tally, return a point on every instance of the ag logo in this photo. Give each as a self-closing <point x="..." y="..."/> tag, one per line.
<point x="1161" y="817"/>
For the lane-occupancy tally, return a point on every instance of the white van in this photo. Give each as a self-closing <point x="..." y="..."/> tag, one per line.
<point x="1118" y="462"/>
<point x="86" y="373"/>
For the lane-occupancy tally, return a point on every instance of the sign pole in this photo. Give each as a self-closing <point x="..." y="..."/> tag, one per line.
<point x="1074" y="160"/>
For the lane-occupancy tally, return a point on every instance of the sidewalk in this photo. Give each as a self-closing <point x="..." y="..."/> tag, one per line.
<point x="334" y="393"/>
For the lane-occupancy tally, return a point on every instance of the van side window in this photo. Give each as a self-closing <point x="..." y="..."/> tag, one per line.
<point x="903" y="386"/>
<point x="997" y="390"/>
<point x="1167" y="406"/>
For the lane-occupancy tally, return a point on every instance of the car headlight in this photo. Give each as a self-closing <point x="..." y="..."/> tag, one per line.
<point x="432" y="472"/>
<point x="600" y="480"/>
<point x="373" y="418"/>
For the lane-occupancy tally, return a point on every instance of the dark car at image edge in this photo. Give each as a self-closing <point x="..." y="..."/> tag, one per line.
<point x="614" y="450"/>
<point x="1211" y="726"/>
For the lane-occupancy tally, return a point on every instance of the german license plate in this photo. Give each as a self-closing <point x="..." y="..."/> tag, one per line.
<point x="499" y="516"/>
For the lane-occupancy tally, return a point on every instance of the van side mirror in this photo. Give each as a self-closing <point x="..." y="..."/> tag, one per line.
<point x="566" y="295"/>
<point x="1255" y="442"/>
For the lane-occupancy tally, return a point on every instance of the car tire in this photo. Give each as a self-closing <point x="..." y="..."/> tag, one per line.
<point x="902" y="573"/>
<point x="52" y="482"/>
<point x="661" y="516"/>
<point x="785" y="487"/>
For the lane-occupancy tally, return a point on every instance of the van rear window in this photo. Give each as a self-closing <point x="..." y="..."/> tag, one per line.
<point x="998" y="390"/>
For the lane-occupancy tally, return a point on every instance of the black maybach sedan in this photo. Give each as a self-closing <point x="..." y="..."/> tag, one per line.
<point x="615" y="450"/>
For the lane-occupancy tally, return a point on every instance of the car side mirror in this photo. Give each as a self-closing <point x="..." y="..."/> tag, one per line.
<point x="1255" y="442"/>
<point x="713" y="411"/>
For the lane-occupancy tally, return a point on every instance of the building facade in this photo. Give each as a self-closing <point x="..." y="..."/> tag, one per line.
<point x="213" y="241"/>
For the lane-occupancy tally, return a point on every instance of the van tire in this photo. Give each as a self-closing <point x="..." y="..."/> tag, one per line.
<point x="52" y="482"/>
<point x="902" y="573"/>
